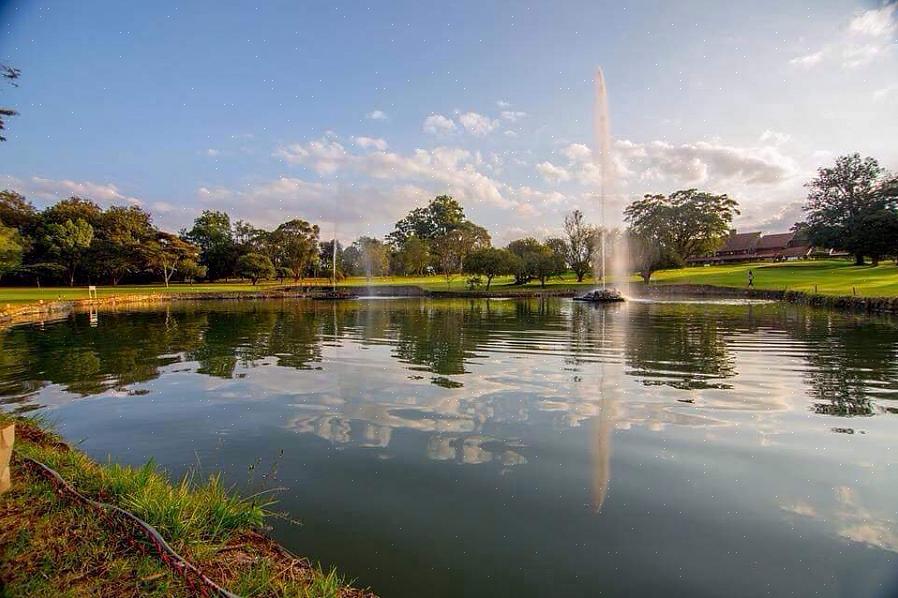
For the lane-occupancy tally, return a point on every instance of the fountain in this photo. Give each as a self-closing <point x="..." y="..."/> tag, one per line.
<point x="602" y="158"/>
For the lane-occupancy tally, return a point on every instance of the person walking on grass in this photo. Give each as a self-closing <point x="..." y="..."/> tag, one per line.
<point x="751" y="279"/>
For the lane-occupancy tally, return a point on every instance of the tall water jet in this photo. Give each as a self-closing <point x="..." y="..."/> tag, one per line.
<point x="602" y="160"/>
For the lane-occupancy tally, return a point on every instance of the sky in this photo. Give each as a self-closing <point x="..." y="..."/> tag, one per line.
<point x="350" y="114"/>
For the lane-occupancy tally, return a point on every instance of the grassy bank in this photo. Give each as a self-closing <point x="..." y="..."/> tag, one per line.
<point x="824" y="277"/>
<point x="50" y="545"/>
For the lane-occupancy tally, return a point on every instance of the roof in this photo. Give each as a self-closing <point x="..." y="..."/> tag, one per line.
<point x="777" y="241"/>
<point x="797" y="251"/>
<point x="740" y="242"/>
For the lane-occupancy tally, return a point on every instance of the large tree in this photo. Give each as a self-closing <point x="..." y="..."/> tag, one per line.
<point x="373" y="257"/>
<point x="10" y="249"/>
<point x="69" y="242"/>
<point x="119" y="240"/>
<point x="841" y="201"/>
<point x="167" y="253"/>
<point x="213" y="234"/>
<point x="255" y="266"/>
<point x="491" y="262"/>
<point x="296" y="246"/>
<point x="413" y="256"/>
<point x="688" y="223"/>
<point x="17" y="212"/>
<point x="580" y="238"/>
<point x="441" y="215"/>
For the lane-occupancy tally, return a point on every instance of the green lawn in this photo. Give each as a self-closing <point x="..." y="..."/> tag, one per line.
<point x="14" y="295"/>
<point x="828" y="277"/>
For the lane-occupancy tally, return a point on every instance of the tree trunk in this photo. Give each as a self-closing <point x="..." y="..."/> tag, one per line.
<point x="72" y="277"/>
<point x="646" y="276"/>
<point x="859" y="259"/>
<point x="489" y="281"/>
<point x="580" y="276"/>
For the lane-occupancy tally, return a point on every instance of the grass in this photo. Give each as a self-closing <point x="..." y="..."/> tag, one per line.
<point x="51" y="545"/>
<point x="826" y="277"/>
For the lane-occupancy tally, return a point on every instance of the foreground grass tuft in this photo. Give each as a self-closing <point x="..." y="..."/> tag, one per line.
<point x="52" y="546"/>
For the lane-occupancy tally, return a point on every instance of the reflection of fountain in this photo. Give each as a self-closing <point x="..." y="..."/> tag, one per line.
<point x="601" y="435"/>
<point x="602" y="158"/>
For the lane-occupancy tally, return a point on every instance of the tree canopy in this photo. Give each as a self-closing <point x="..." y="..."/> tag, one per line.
<point x="852" y="206"/>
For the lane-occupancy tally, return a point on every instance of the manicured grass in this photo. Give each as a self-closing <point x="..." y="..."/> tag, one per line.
<point x="824" y="277"/>
<point x="18" y="295"/>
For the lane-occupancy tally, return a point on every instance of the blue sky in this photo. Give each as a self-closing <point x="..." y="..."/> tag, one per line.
<point x="351" y="114"/>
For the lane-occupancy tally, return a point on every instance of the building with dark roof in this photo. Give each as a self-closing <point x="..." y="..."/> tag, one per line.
<point x="755" y="246"/>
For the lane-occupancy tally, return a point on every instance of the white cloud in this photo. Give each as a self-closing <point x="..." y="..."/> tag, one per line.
<point x="868" y="37"/>
<point x="349" y="205"/>
<point x="443" y="169"/>
<point x="577" y="152"/>
<point x="503" y="104"/>
<point x="212" y="152"/>
<point x="775" y="137"/>
<point x="437" y="124"/>
<point x="478" y="124"/>
<point x="552" y="173"/>
<point x="376" y="115"/>
<point x="51" y="190"/>
<point x="808" y="60"/>
<point x="370" y="143"/>
<point x="875" y="23"/>
<point x="886" y="93"/>
<point x="512" y="115"/>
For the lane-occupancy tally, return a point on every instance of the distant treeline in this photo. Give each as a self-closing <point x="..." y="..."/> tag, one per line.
<point x="852" y="206"/>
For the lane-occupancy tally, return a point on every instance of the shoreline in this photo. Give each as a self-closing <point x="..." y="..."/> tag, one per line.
<point x="30" y="313"/>
<point x="43" y="522"/>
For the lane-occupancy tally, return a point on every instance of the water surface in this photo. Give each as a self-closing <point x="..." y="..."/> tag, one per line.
<point x="510" y="448"/>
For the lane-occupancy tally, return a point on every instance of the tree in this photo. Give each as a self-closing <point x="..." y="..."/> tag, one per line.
<point x="326" y="259"/>
<point x="119" y="239"/>
<point x="842" y="198"/>
<point x="581" y="242"/>
<point x="881" y="231"/>
<point x="255" y="266"/>
<point x="688" y="223"/>
<point x="212" y="233"/>
<point x="491" y="262"/>
<point x="448" y="254"/>
<point x="190" y="269"/>
<point x="441" y="215"/>
<point x="10" y="249"/>
<point x="522" y="248"/>
<point x="373" y="259"/>
<point x="17" y="212"/>
<point x="352" y="260"/>
<point x="413" y="255"/>
<point x="69" y="242"/>
<point x="74" y="208"/>
<point x="11" y="75"/>
<point x="296" y="246"/>
<point x="543" y="264"/>
<point x="558" y="246"/>
<point x="168" y="253"/>
<point x="646" y="253"/>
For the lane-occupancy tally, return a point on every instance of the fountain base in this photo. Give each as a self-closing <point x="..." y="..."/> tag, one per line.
<point x="601" y="296"/>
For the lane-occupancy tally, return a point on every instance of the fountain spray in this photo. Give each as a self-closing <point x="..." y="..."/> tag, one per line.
<point x="602" y="160"/>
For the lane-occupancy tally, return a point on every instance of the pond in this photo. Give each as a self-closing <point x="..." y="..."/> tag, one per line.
<point x="510" y="448"/>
